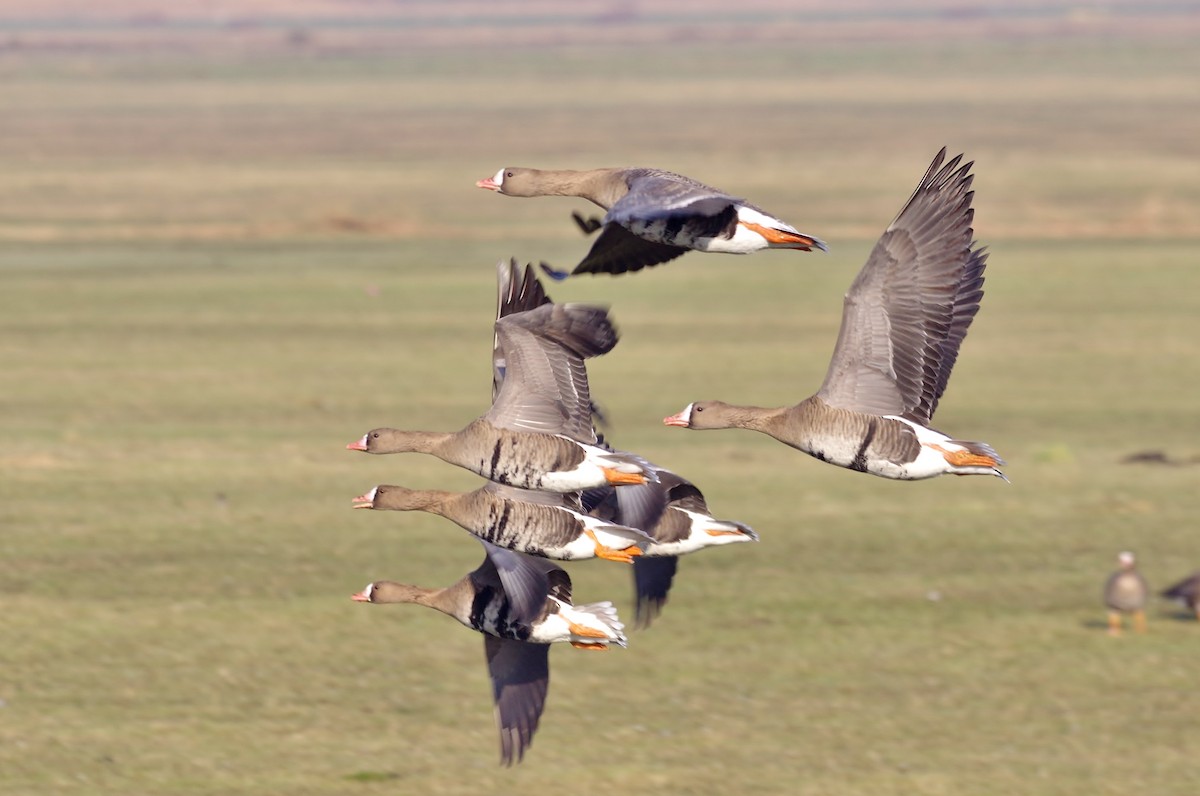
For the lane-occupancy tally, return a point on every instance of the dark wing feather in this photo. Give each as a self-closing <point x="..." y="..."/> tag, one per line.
<point x="517" y="290"/>
<point x="526" y="580"/>
<point x="909" y="307"/>
<point x="1187" y="589"/>
<point x="618" y="250"/>
<point x="651" y="582"/>
<point x="520" y="675"/>
<point x="545" y="387"/>
<point x="588" y="225"/>
<point x="966" y="305"/>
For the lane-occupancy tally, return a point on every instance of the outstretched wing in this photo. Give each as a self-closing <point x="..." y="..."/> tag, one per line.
<point x="545" y="386"/>
<point x="520" y="674"/>
<point x="652" y="579"/>
<point x="617" y="250"/>
<point x="517" y="290"/>
<point x="909" y="308"/>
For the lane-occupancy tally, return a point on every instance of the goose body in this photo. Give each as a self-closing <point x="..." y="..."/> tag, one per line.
<point x="537" y="433"/>
<point x="523" y="459"/>
<point x="546" y="524"/>
<point x="1126" y="592"/>
<point x="521" y="605"/>
<point x="673" y="513"/>
<point x="903" y="321"/>
<point x="1186" y="592"/>
<point x="654" y="216"/>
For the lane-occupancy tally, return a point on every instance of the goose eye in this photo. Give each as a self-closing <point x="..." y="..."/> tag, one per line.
<point x="697" y="408"/>
<point x="508" y="174"/>
<point x="375" y="435"/>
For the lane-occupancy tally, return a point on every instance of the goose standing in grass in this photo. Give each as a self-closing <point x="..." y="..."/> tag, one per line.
<point x="1187" y="592"/>
<point x="1125" y="592"/>
<point x="521" y="605"/>
<point x="546" y="524"/>
<point x="903" y="321"/>
<point x="538" y="432"/>
<point x="653" y="216"/>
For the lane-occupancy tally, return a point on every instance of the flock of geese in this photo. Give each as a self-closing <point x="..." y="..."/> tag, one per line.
<point x="557" y="491"/>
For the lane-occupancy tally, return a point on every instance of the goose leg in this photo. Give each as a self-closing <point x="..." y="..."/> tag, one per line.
<point x="625" y="556"/>
<point x="1139" y="621"/>
<point x="1114" y="623"/>
<point x="587" y="645"/>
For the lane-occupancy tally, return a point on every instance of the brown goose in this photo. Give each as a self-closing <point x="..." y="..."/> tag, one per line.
<point x="538" y="433"/>
<point x="904" y="318"/>
<point x="546" y="524"/>
<point x="1186" y="591"/>
<point x="653" y="216"/>
<point x="521" y="605"/>
<point x="1125" y="592"/>
<point x="672" y="511"/>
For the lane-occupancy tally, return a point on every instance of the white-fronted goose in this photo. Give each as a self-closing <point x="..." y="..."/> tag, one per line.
<point x="538" y="432"/>
<point x="521" y="605"/>
<point x="1125" y="592"/>
<point x="653" y="216"/>
<point x="547" y="524"/>
<point x="673" y="513"/>
<point x="1186" y="592"/>
<point x="904" y="319"/>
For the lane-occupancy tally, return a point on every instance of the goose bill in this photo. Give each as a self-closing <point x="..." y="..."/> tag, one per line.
<point x="683" y="419"/>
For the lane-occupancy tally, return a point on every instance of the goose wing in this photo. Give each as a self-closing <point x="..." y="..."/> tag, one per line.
<point x="545" y="386"/>
<point x="520" y="674"/>
<point x="909" y="308"/>
<point x="517" y="290"/>
<point x="617" y="251"/>
<point x="527" y="581"/>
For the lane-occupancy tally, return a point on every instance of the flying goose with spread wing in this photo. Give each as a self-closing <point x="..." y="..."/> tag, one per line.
<point x="653" y="216"/>
<point x="521" y="605"/>
<point x="903" y="320"/>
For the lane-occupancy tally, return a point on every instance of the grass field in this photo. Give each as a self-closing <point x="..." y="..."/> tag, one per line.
<point x="217" y="270"/>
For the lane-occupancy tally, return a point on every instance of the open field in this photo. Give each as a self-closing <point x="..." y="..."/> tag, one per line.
<point x="215" y="271"/>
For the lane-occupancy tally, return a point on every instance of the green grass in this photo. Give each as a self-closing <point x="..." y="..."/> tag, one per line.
<point x="218" y="273"/>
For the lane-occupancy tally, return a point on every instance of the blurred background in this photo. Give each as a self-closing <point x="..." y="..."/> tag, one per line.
<point x="234" y="236"/>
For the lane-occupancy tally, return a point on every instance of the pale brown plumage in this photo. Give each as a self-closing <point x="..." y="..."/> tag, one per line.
<point x="903" y="321"/>
<point x="547" y="524"/>
<point x="511" y="599"/>
<point x="538" y="432"/>
<point x="1126" y="592"/>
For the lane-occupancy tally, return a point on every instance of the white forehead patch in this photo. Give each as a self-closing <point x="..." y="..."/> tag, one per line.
<point x="687" y="413"/>
<point x="371" y="495"/>
<point x="499" y="179"/>
<point x="369" y="591"/>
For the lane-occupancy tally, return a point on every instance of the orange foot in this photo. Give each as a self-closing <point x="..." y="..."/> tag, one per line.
<point x="781" y="237"/>
<point x="719" y="532"/>
<point x="586" y="632"/>
<point x="625" y="556"/>
<point x="617" y="478"/>
<point x="965" y="458"/>
<point x="586" y="645"/>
